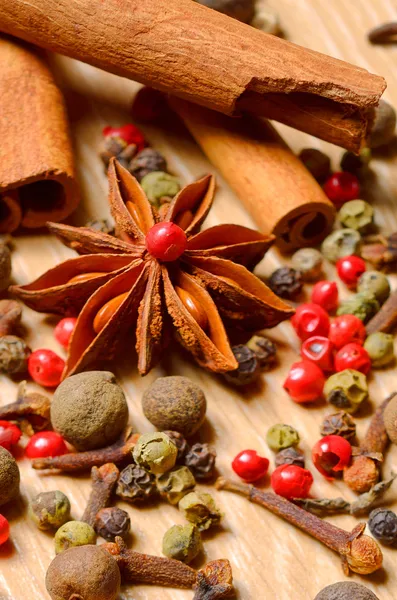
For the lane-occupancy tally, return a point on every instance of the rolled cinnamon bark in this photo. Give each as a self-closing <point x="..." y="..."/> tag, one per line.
<point x="198" y="54"/>
<point x="37" y="179"/>
<point x="273" y="184"/>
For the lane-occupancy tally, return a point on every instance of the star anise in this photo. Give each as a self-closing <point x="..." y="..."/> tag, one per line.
<point x="117" y="283"/>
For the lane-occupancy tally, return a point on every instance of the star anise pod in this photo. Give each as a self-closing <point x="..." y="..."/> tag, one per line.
<point x="117" y="284"/>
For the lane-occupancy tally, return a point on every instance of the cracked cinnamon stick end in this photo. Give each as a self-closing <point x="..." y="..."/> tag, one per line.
<point x="385" y="319"/>
<point x="81" y="461"/>
<point x="154" y="570"/>
<point x="215" y="581"/>
<point x="103" y="479"/>
<point x="36" y="149"/>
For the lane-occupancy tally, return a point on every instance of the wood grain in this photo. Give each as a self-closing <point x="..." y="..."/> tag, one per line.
<point x="271" y="560"/>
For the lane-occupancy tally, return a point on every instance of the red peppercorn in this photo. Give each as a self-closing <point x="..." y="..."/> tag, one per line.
<point x="250" y="466"/>
<point x="9" y="434"/>
<point x="346" y="329"/>
<point x="310" y="320"/>
<point x="341" y="187"/>
<point x="331" y="454"/>
<point x="63" y="331"/>
<point x="45" y="367"/>
<point x="320" y="351"/>
<point x="325" y="294"/>
<point x="129" y="133"/>
<point x="353" y="356"/>
<point x="44" y="444"/>
<point x="4" y="530"/>
<point x="291" y="481"/>
<point x="166" y="241"/>
<point x="305" y="382"/>
<point x="350" y="268"/>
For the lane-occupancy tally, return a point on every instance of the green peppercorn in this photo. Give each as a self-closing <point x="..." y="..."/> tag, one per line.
<point x="74" y="533"/>
<point x="175" y="484"/>
<point x="357" y="164"/>
<point x="182" y="542"/>
<point x="376" y="283"/>
<point x="340" y="243"/>
<point x="346" y="390"/>
<point x="380" y="347"/>
<point x="155" y="452"/>
<point x="309" y="262"/>
<point x="200" y="508"/>
<point x="362" y="305"/>
<point x="50" y="510"/>
<point x="315" y="161"/>
<point x="357" y="215"/>
<point x="282" y="436"/>
<point x="158" y="184"/>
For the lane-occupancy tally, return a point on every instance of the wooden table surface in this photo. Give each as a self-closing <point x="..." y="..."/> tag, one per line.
<point x="271" y="560"/>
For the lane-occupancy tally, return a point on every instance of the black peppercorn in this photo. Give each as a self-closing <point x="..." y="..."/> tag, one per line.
<point x="248" y="369"/>
<point x="147" y="161"/>
<point x="264" y="349"/>
<point x="286" y="282"/>
<point x="290" y="456"/>
<point x="201" y="461"/>
<point x="356" y="163"/>
<point x="383" y="525"/>
<point x="339" y="423"/>
<point x="136" y="484"/>
<point x="180" y="442"/>
<point x="111" y="522"/>
<point x="346" y="590"/>
<point x="117" y="147"/>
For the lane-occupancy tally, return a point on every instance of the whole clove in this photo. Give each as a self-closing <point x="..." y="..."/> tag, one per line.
<point x="365" y="502"/>
<point x="359" y="553"/>
<point x="32" y="410"/>
<point x="324" y="506"/>
<point x="81" y="461"/>
<point x="215" y="581"/>
<point x="103" y="480"/>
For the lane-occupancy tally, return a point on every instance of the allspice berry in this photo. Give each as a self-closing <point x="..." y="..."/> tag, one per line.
<point x="50" y="510"/>
<point x="74" y="533"/>
<point x="175" y="403"/>
<point x="346" y="590"/>
<point x="87" y="572"/>
<point x="89" y="410"/>
<point x="9" y="477"/>
<point x="5" y="267"/>
<point x="384" y="127"/>
<point x="390" y="418"/>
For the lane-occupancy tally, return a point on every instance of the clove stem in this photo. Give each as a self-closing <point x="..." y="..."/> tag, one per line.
<point x="33" y="407"/>
<point x="358" y="552"/>
<point x="103" y="479"/>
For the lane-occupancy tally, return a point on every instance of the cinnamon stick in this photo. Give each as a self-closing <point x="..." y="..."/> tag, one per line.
<point x="273" y="184"/>
<point x="37" y="179"/>
<point x="191" y="51"/>
<point x="385" y="319"/>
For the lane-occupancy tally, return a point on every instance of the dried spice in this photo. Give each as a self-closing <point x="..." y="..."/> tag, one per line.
<point x="384" y="126"/>
<point x="383" y="34"/>
<point x="200" y="508"/>
<point x="10" y="315"/>
<point x="340" y="423"/>
<point x="242" y="10"/>
<point x="382" y="524"/>
<point x="102" y="225"/>
<point x="286" y="282"/>
<point x="103" y="481"/>
<point x="182" y="542"/>
<point x="340" y="243"/>
<point x="390" y="419"/>
<point x="31" y="410"/>
<point x="159" y="187"/>
<point x="87" y="572"/>
<point x="136" y="484"/>
<point x="357" y="215"/>
<point x="112" y="522"/>
<point x="323" y="506"/>
<point x="14" y="354"/>
<point x="317" y="162"/>
<point x="116" y="276"/>
<point x="153" y="570"/>
<point x="49" y="510"/>
<point x="180" y="442"/>
<point x="89" y="410"/>
<point x="380" y="251"/>
<point x="357" y="164"/>
<point x="376" y="283"/>
<point x="147" y="161"/>
<point x="201" y="461"/>
<point x="248" y="369"/>
<point x="363" y="305"/>
<point x="346" y="590"/>
<point x="215" y="581"/>
<point x="366" y="501"/>
<point x="386" y="318"/>
<point x="5" y="267"/>
<point x="155" y="452"/>
<point x="9" y="477"/>
<point x="359" y="553"/>
<point x="346" y="390"/>
<point x="290" y="456"/>
<point x="175" y="403"/>
<point x="265" y="351"/>
<point x="81" y="461"/>
<point x="380" y="348"/>
<point x="309" y="263"/>
<point x="282" y="436"/>
<point x="175" y="484"/>
<point x="73" y="534"/>
<point x="117" y="147"/>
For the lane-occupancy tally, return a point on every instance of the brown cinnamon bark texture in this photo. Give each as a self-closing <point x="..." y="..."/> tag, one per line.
<point x="193" y="52"/>
<point x="37" y="180"/>
<point x="273" y="184"/>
